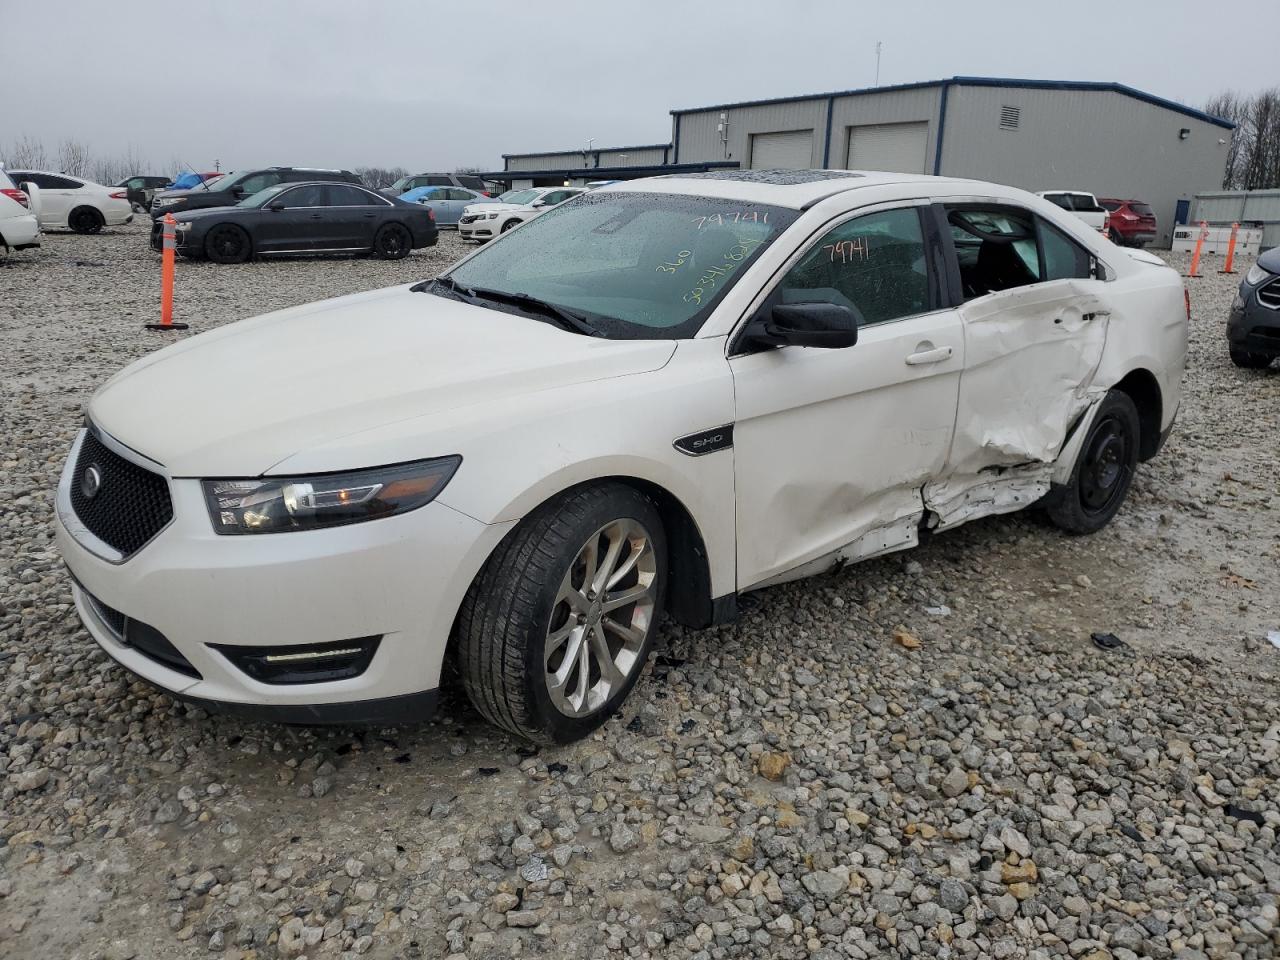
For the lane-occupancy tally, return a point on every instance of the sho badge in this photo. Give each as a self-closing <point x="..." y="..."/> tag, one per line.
<point x="708" y="441"/>
<point x="91" y="481"/>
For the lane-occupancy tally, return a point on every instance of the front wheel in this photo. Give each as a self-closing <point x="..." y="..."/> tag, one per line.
<point x="556" y="628"/>
<point x="392" y="242"/>
<point x="509" y="225"/>
<point x="1103" y="470"/>
<point x="227" y="243"/>
<point x="1247" y="359"/>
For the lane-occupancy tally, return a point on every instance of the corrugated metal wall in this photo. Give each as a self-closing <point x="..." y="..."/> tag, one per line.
<point x="1103" y="142"/>
<point x="545" y="161"/>
<point x="700" y="141"/>
<point x="895" y="106"/>
<point x="649" y="156"/>
<point x="1224" y="208"/>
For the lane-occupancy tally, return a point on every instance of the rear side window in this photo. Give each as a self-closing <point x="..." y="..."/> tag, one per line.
<point x="434" y="182"/>
<point x="874" y="264"/>
<point x="1063" y="258"/>
<point x="341" y="195"/>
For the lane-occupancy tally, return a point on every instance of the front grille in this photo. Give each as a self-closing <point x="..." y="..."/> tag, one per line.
<point x="470" y="219"/>
<point x="144" y="638"/>
<point x="131" y="504"/>
<point x="1270" y="294"/>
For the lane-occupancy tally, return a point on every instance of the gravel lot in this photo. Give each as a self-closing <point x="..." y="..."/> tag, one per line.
<point x="798" y="784"/>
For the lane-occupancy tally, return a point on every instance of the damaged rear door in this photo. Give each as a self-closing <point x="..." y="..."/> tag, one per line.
<point x="1035" y="323"/>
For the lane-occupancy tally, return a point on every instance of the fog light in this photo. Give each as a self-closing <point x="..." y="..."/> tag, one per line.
<point x="309" y="663"/>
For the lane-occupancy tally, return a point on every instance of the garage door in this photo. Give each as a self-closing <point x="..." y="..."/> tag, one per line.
<point x="792" y="150"/>
<point x="897" y="147"/>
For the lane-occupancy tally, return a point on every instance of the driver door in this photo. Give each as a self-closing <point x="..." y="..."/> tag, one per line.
<point x="833" y="446"/>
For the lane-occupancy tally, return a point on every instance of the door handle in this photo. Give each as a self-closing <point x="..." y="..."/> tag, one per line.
<point x="369" y="216"/>
<point x="935" y="355"/>
<point x="317" y="216"/>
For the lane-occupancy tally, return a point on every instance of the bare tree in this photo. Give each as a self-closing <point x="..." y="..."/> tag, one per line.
<point x="1253" y="159"/>
<point x="74" y="158"/>
<point x="379" y="177"/>
<point x="27" y="154"/>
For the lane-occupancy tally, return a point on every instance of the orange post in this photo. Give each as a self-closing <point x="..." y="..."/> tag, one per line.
<point x="1231" y="250"/>
<point x="168" y="236"/>
<point x="1195" y="257"/>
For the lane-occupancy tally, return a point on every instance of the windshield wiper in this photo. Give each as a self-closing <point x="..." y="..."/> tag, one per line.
<point x="450" y="284"/>
<point x="566" y="319"/>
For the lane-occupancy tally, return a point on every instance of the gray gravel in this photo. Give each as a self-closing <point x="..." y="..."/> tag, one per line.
<point x="795" y="785"/>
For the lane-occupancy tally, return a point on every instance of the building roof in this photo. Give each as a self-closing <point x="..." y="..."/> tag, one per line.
<point x="1086" y="85"/>
<point x="550" y="153"/>
<point x="596" y="173"/>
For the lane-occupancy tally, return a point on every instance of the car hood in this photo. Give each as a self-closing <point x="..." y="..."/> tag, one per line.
<point x="240" y="399"/>
<point x="497" y="207"/>
<point x="1270" y="261"/>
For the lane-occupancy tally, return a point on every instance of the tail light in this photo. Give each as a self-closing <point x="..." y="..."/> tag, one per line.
<point x="431" y="214"/>
<point x="19" y="195"/>
<point x="120" y="195"/>
<point x="1106" y="224"/>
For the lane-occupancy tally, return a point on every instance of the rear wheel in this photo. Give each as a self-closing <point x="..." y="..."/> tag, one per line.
<point x="227" y="243"/>
<point x="85" y="220"/>
<point x="1247" y="359"/>
<point x="556" y="628"/>
<point x="1103" y="471"/>
<point x="392" y="242"/>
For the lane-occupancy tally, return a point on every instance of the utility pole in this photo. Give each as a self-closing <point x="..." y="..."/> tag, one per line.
<point x="878" y="46"/>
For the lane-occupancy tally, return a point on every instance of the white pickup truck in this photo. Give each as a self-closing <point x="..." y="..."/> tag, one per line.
<point x="1083" y="205"/>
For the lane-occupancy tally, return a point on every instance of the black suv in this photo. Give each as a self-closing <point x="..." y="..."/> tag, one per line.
<point x="234" y="187"/>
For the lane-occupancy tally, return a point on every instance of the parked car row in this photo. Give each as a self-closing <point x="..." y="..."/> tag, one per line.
<point x="1129" y="223"/>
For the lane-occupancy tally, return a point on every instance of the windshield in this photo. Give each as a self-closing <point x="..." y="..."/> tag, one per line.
<point x="519" y="196"/>
<point x="224" y="183"/>
<point x="263" y="196"/>
<point x="637" y="265"/>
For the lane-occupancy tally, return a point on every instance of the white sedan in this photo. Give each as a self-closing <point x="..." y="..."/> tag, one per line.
<point x="75" y="203"/>
<point x="484" y="221"/>
<point x="645" y="403"/>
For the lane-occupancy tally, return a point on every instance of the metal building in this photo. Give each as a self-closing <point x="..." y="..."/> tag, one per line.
<point x="1106" y="138"/>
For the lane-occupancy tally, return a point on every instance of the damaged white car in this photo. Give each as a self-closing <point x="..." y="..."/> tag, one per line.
<point x="652" y="399"/>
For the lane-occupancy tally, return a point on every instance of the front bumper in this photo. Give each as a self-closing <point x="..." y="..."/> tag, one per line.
<point x="477" y="229"/>
<point x="1254" y="327"/>
<point x="400" y="578"/>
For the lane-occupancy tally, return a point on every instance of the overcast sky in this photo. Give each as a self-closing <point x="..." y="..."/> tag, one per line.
<point x="429" y="85"/>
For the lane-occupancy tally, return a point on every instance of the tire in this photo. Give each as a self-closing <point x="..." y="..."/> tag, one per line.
<point x="392" y="242"/>
<point x="1247" y="359"/>
<point x="227" y="243"/>
<point x="1103" y="470"/>
<point x="85" y="220"/>
<point x="509" y="225"/>
<point x="529" y="609"/>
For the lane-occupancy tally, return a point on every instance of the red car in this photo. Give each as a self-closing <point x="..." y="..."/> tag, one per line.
<point x="1133" y="223"/>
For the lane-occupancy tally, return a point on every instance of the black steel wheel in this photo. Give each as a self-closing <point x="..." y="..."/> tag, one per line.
<point x="1103" y="470"/>
<point x="227" y="243"/>
<point x="393" y="242"/>
<point x="85" y="220"/>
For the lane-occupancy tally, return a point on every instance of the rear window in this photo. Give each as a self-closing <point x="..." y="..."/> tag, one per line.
<point x="472" y="183"/>
<point x="1085" y="203"/>
<point x="1142" y="210"/>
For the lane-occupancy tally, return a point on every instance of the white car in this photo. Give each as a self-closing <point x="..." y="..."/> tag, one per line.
<point x="484" y="221"/>
<point x="1082" y="205"/>
<point x="19" y="227"/>
<point x="68" y="202"/>
<point x="671" y="392"/>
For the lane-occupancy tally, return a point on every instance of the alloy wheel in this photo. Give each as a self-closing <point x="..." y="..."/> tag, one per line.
<point x="602" y="615"/>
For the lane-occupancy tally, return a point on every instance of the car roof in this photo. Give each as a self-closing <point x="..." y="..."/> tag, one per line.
<point x="797" y="189"/>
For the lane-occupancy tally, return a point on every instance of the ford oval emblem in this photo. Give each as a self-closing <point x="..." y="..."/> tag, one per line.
<point x="91" y="481"/>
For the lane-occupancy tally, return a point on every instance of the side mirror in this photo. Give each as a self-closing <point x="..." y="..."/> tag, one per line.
<point x="276" y="207"/>
<point x="826" y="325"/>
<point x="538" y="203"/>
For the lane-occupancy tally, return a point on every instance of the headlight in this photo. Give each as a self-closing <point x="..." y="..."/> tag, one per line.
<point x="491" y="216"/>
<point x="182" y="225"/>
<point x="1256" y="275"/>
<point x="165" y="201"/>
<point x="281" y="504"/>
